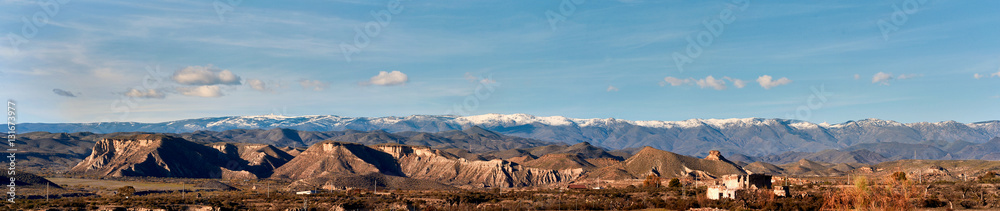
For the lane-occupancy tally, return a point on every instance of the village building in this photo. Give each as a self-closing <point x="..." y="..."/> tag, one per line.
<point x="731" y="186"/>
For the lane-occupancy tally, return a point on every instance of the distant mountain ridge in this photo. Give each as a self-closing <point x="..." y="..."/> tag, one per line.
<point x="747" y="136"/>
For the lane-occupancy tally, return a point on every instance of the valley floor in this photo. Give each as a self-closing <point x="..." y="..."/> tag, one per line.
<point x="875" y="192"/>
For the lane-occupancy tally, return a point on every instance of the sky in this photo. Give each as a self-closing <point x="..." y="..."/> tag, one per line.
<point x="155" y="61"/>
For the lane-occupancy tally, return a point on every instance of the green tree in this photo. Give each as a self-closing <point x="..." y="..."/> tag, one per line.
<point x="899" y="176"/>
<point x="674" y="183"/>
<point x="126" y="191"/>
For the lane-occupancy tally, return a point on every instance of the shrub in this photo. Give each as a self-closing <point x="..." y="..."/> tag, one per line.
<point x="931" y="203"/>
<point x="899" y="176"/>
<point x="652" y="181"/>
<point x="968" y="204"/>
<point x="989" y="177"/>
<point x="126" y="191"/>
<point x="889" y="194"/>
<point x="674" y="183"/>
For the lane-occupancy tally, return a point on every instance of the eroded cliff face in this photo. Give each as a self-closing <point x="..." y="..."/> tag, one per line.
<point x="157" y="155"/>
<point x="333" y="158"/>
<point x="166" y="156"/>
<point x="426" y="163"/>
<point x="650" y="161"/>
<point x="108" y="154"/>
<point x="258" y="159"/>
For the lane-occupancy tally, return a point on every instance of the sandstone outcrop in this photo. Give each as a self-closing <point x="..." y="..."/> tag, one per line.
<point x="417" y="162"/>
<point x="157" y="155"/>
<point x="667" y="164"/>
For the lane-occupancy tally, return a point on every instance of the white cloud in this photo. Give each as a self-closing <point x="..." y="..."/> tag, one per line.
<point x="469" y="77"/>
<point x="720" y="83"/>
<point x="882" y="78"/>
<point x="612" y="88"/>
<point x="978" y="76"/>
<point x="767" y="81"/>
<point x="675" y="81"/>
<point x="315" y="85"/>
<point x="257" y="85"/>
<point x="388" y="78"/>
<point x="207" y="75"/>
<point x="151" y="93"/>
<point x="63" y="93"/>
<point x="909" y="76"/>
<point x="710" y="81"/>
<point x="201" y="91"/>
<point x="739" y="84"/>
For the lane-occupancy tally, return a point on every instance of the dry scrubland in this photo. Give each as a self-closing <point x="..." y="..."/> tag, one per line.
<point x="872" y="192"/>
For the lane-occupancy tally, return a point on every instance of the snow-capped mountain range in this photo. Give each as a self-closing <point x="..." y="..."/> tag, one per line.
<point x="750" y="136"/>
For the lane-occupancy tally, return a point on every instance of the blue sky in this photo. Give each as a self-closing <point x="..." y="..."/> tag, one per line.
<point x="819" y="61"/>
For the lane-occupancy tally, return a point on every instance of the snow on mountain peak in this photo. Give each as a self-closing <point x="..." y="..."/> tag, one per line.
<point x="722" y="123"/>
<point x="509" y="120"/>
<point x="879" y="122"/>
<point x="807" y="125"/>
<point x="869" y="122"/>
<point x="514" y="119"/>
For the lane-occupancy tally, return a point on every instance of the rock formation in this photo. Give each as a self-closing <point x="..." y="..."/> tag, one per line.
<point x="158" y="155"/>
<point x="340" y="158"/>
<point x="333" y="157"/>
<point x="667" y="164"/>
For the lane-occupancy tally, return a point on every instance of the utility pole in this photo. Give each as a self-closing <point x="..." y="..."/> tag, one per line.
<point x="683" y="190"/>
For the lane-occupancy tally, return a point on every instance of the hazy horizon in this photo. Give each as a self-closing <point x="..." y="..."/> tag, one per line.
<point x="677" y="120"/>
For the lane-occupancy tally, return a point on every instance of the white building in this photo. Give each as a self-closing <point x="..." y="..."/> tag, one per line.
<point x="716" y="192"/>
<point x="729" y="186"/>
